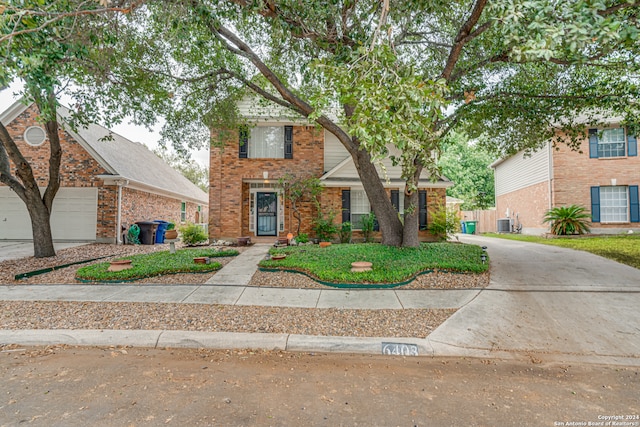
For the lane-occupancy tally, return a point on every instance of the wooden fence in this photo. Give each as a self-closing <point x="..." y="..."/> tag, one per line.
<point x="486" y="220"/>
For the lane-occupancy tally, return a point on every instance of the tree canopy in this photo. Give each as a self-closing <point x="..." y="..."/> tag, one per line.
<point x="397" y="73"/>
<point x="466" y="163"/>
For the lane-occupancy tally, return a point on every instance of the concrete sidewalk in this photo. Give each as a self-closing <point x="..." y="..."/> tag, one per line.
<point x="243" y="295"/>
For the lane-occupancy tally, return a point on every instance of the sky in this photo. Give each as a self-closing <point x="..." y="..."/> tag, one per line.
<point x="125" y="129"/>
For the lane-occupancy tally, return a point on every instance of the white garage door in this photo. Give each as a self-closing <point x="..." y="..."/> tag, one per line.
<point x="74" y="215"/>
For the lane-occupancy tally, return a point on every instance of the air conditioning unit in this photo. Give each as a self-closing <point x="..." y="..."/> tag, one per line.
<point x="504" y="225"/>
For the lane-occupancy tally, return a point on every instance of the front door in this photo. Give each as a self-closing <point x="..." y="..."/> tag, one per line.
<point x="267" y="213"/>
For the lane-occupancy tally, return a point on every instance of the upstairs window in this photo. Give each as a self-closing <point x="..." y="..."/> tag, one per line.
<point x="266" y="142"/>
<point x="611" y="143"/>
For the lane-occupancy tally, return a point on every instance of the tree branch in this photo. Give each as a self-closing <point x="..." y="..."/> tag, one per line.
<point x="613" y="9"/>
<point x="55" y="156"/>
<point x="302" y="107"/>
<point x="464" y="36"/>
<point x="9" y="150"/>
<point x="59" y="17"/>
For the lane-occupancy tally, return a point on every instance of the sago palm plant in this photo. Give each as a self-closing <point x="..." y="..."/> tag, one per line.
<point x="568" y="220"/>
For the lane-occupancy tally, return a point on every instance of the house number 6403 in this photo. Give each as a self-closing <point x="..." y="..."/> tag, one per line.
<point x="399" y="349"/>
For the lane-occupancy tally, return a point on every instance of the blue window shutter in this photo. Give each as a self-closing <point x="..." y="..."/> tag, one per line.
<point x="595" y="204"/>
<point x="593" y="143"/>
<point x="422" y="209"/>
<point x="632" y="145"/>
<point x="634" y="206"/>
<point x="395" y="199"/>
<point x="288" y="142"/>
<point x="346" y="205"/>
<point x="243" y="142"/>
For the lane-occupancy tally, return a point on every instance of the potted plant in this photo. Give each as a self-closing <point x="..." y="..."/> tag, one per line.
<point x="171" y="232"/>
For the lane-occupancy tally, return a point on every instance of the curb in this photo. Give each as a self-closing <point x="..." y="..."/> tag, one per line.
<point x="215" y="340"/>
<point x="390" y="346"/>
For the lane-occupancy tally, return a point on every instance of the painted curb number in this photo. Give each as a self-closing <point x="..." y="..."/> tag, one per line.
<point x="399" y="349"/>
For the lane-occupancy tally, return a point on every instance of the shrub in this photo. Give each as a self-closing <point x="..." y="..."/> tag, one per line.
<point x="324" y="226"/>
<point x="568" y="220"/>
<point x="345" y="232"/>
<point x="444" y="223"/>
<point x="192" y="234"/>
<point x="368" y="224"/>
<point x="302" y="238"/>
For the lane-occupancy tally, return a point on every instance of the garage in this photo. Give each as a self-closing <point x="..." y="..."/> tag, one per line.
<point x="74" y="215"/>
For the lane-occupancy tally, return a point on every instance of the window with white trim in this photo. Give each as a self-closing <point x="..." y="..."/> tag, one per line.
<point x="359" y="207"/>
<point x="614" y="204"/>
<point x="35" y="136"/>
<point x="183" y="212"/>
<point x="612" y="143"/>
<point x="266" y="142"/>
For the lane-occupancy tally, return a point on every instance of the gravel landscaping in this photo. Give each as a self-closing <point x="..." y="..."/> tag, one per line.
<point x="200" y="317"/>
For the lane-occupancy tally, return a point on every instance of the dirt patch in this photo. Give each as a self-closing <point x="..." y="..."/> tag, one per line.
<point x="129" y="386"/>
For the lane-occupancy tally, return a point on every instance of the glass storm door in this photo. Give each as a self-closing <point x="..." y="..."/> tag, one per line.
<point x="267" y="214"/>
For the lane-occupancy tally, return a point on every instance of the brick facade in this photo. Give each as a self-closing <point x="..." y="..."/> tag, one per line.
<point x="79" y="169"/>
<point x="231" y="178"/>
<point x="573" y="173"/>
<point x="527" y="204"/>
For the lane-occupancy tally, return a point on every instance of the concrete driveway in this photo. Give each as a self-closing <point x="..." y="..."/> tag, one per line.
<point x="559" y="303"/>
<point x="12" y="249"/>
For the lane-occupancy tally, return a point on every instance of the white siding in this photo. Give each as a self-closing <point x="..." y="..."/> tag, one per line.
<point x="521" y="171"/>
<point x="260" y="109"/>
<point x="334" y="151"/>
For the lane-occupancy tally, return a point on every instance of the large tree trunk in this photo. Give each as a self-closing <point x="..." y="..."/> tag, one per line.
<point x="41" y="227"/>
<point x="380" y="202"/>
<point x="412" y="212"/>
<point x="411" y="223"/>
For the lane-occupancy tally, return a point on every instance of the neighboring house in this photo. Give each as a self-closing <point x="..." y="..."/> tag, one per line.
<point x="454" y="204"/>
<point x="105" y="184"/>
<point x="603" y="176"/>
<point x="244" y="196"/>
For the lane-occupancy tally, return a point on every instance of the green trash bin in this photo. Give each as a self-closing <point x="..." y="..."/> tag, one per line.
<point x="471" y="227"/>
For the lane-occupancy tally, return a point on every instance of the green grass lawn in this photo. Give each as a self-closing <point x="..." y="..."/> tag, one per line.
<point x="154" y="264"/>
<point x="390" y="264"/>
<point x="624" y="248"/>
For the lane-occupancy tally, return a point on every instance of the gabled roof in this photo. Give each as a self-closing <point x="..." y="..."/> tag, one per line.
<point x="346" y="174"/>
<point x="124" y="159"/>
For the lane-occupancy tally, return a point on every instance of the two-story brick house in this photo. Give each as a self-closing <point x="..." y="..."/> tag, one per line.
<point x="105" y="183"/>
<point x="602" y="176"/>
<point x="245" y="199"/>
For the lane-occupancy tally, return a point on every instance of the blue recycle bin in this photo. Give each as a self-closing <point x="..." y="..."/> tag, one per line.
<point x="463" y="227"/>
<point x="162" y="228"/>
